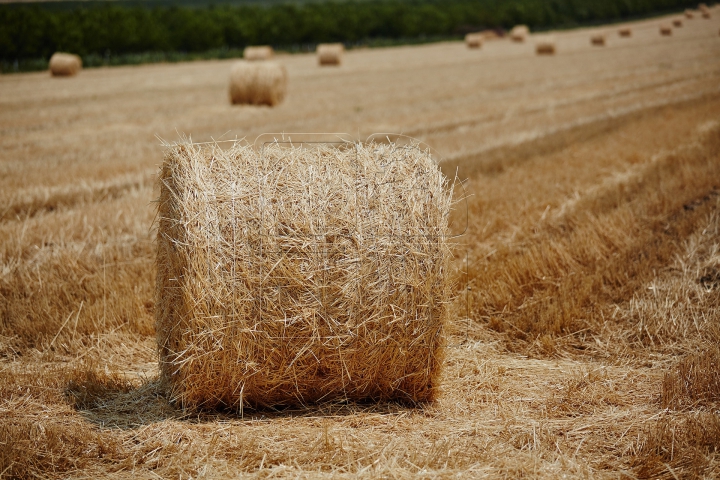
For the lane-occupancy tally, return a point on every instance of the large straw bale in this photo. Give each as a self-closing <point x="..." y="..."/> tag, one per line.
<point x="65" y="64"/>
<point x="625" y="32"/>
<point x="677" y="23"/>
<point x="260" y="52"/>
<point x="330" y="53"/>
<point x="665" y="30"/>
<point x="689" y="14"/>
<point x="598" y="40"/>
<point x="704" y="10"/>
<point x="545" y="46"/>
<point x="474" y="40"/>
<point x="257" y="83"/>
<point x="296" y="274"/>
<point x="519" y="33"/>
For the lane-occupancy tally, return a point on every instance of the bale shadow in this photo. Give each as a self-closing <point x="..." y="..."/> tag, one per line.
<point x="109" y="400"/>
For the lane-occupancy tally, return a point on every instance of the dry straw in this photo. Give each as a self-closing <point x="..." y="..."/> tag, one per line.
<point x="257" y="83"/>
<point x="545" y="47"/>
<point x="704" y="10"/>
<point x="261" y="52"/>
<point x="519" y="33"/>
<point x="474" y="40"/>
<point x="330" y="53"/>
<point x="625" y="32"/>
<point x="677" y="22"/>
<point x="598" y="40"/>
<point x="296" y="274"/>
<point x="689" y="14"/>
<point x="65" y="64"/>
<point x="665" y="30"/>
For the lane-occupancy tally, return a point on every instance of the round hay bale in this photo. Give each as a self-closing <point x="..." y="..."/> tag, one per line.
<point x="689" y="14"/>
<point x="261" y="52"/>
<point x="677" y="23"/>
<point x="702" y="7"/>
<point x="474" y="40"/>
<point x="519" y="33"/>
<point x="64" y="64"/>
<point x="545" y="47"/>
<point x="706" y="15"/>
<point x="257" y="83"/>
<point x="598" y="40"/>
<point x="665" y="30"/>
<point x="625" y="32"/>
<point x="291" y="274"/>
<point x="330" y="53"/>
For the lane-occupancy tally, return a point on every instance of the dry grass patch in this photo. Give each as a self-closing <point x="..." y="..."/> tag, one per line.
<point x="694" y="382"/>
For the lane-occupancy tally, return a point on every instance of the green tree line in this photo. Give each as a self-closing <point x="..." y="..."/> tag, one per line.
<point x="33" y="32"/>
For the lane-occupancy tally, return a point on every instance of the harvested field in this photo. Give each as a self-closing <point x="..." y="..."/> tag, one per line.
<point x="587" y="315"/>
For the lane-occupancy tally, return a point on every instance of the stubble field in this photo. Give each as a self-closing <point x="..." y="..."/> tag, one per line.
<point x="586" y="326"/>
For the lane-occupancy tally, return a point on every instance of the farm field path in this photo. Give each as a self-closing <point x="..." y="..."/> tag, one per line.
<point x="588" y="279"/>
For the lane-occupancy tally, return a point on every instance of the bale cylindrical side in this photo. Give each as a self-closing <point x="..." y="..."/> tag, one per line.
<point x="598" y="40"/>
<point x="330" y="53"/>
<point x="474" y="40"/>
<point x="260" y="52"/>
<point x="545" y="47"/>
<point x="64" y="64"/>
<point x="257" y="83"/>
<point x="625" y="32"/>
<point x="519" y="33"/>
<point x="290" y="274"/>
<point x="677" y="23"/>
<point x="665" y="30"/>
<point x="689" y="14"/>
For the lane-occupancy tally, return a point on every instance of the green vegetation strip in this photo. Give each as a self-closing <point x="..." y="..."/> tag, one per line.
<point x="110" y="33"/>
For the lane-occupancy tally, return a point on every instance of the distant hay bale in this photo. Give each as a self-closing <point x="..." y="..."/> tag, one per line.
<point x="706" y="14"/>
<point x="545" y="47"/>
<point x="491" y="34"/>
<point x="598" y="40"/>
<point x="261" y="52"/>
<point x="677" y="23"/>
<point x="474" y="40"/>
<point x="689" y="14"/>
<point x="301" y="273"/>
<point x="65" y="64"/>
<point x="665" y="30"/>
<point x="330" y="53"/>
<point x="625" y="32"/>
<point x="702" y="7"/>
<point x="257" y="83"/>
<point x="519" y="33"/>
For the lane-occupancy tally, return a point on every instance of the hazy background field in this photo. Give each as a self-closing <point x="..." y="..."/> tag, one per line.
<point x="110" y="33"/>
